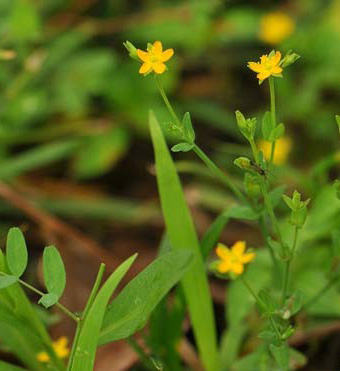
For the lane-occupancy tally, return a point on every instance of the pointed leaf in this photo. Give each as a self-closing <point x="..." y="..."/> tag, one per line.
<point x="182" y="236"/>
<point x="86" y="345"/>
<point x="129" y="312"/>
<point x="182" y="147"/>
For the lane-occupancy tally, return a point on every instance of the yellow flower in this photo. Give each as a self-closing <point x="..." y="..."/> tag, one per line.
<point x="276" y="27"/>
<point x="233" y="260"/>
<point x="283" y="147"/>
<point x="153" y="59"/>
<point x="60" y="347"/>
<point x="269" y="65"/>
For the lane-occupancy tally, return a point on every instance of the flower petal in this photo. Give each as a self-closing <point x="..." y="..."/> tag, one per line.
<point x="224" y="267"/>
<point x="256" y="67"/>
<point x="263" y="75"/>
<point x="145" y="68"/>
<point x="222" y="251"/>
<point x="246" y="258"/>
<point x="276" y="58"/>
<point x="43" y="357"/>
<point x="142" y="55"/>
<point x="238" y="248"/>
<point x="167" y="54"/>
<point x="264" y="59"/>
<point x="159" y="67"/>
<point x="157" y="48"/>
<point x="237" y="268"/>
<point x="276" y="69"/>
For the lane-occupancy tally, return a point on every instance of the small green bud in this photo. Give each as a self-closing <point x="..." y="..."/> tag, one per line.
<point x="337" y="118"/>
<point x="289" y="59"/>
<point x="299" y="209"/>
<point x="337" y="188"/>
<point x="288" y="333"/>
<point x="246" y="126"/>
<point x="243" y="163"/>
<point x="132" y="50"/>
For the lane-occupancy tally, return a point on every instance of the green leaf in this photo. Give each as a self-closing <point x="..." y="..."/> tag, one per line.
<point x="188" y="129"/>
<point x="277" y="132"/>
<point x="182" y="235"/>
<point x="4" y="366"/>
<point x="182" y="147"/>
<point x="129" y="312"/>
<point x="54" y="271"/>
<point x="281" y="355"/>
<point x="288" y="201"/>
<point x="267" y="126"/>
<point x="24" y="21"/>
<point x="6" y="281"/>
<point x="48" y="300"/>
<point x="86" y="345"/>
<point x="99" y="153"/>
<point x="16" y="252"/>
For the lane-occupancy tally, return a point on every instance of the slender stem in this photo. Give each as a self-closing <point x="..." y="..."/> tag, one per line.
<point x="273" y="115"/>
<point x="287" y="267"/>
<point x="167" y="102"/>
<point x="219" y="174"/>
<point x="273" y="324"/>
<point x="254" y="150"/>
<point x="209" y="163"/>
<point x="60" y="306"/>
<point x="145" y="359"/>
<point x="252" y="292"/>
<point x="321" y="292"/>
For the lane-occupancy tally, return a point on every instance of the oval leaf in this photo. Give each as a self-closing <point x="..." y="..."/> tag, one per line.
<point x="54" y="271"/>
<point x="16" y="252"/>
<point x="6" y="281"/>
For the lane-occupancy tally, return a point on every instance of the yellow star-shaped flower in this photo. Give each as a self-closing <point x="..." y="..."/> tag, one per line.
<point x="153" y="59"/>
<point x="60" y="347"/>
<point x="233" y="260"/>
<point x="268" y="66"/>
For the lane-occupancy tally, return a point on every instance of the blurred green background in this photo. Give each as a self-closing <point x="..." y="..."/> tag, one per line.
<point x="74" y="108"/>
<point x="74" y="139"/>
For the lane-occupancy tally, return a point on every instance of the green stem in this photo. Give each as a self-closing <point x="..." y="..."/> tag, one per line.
<point x="144" y="358"/>
<point x="270" y="210"/>
<point x="287" y="267"/>
<point x="209" y="163"/>
<point x="321" y="292"/>
<point x="273" y="115"/>
<point x="252" y="292"/>
<point x="219" y="174"/>
<point x="167" y="102"/>
<point x="60" y="306"/>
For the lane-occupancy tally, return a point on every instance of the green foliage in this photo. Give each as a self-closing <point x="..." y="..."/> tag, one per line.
<point x="16" y="252"/>
<point x="54" y="271"/>
<point x="182" y="236"/>
<point x="87" y="341"/>
<point x="129" y="312"/>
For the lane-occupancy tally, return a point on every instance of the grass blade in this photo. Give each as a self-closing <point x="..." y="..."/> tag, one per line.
<point x="182" y="235"/>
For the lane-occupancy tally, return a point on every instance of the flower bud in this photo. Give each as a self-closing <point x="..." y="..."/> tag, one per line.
<point x="289" y="59"/>
<point x="252" y="186"/>
<point x="246" y="126"/>
<point x="132" y="50"/>
<point x="243" y="163"/>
